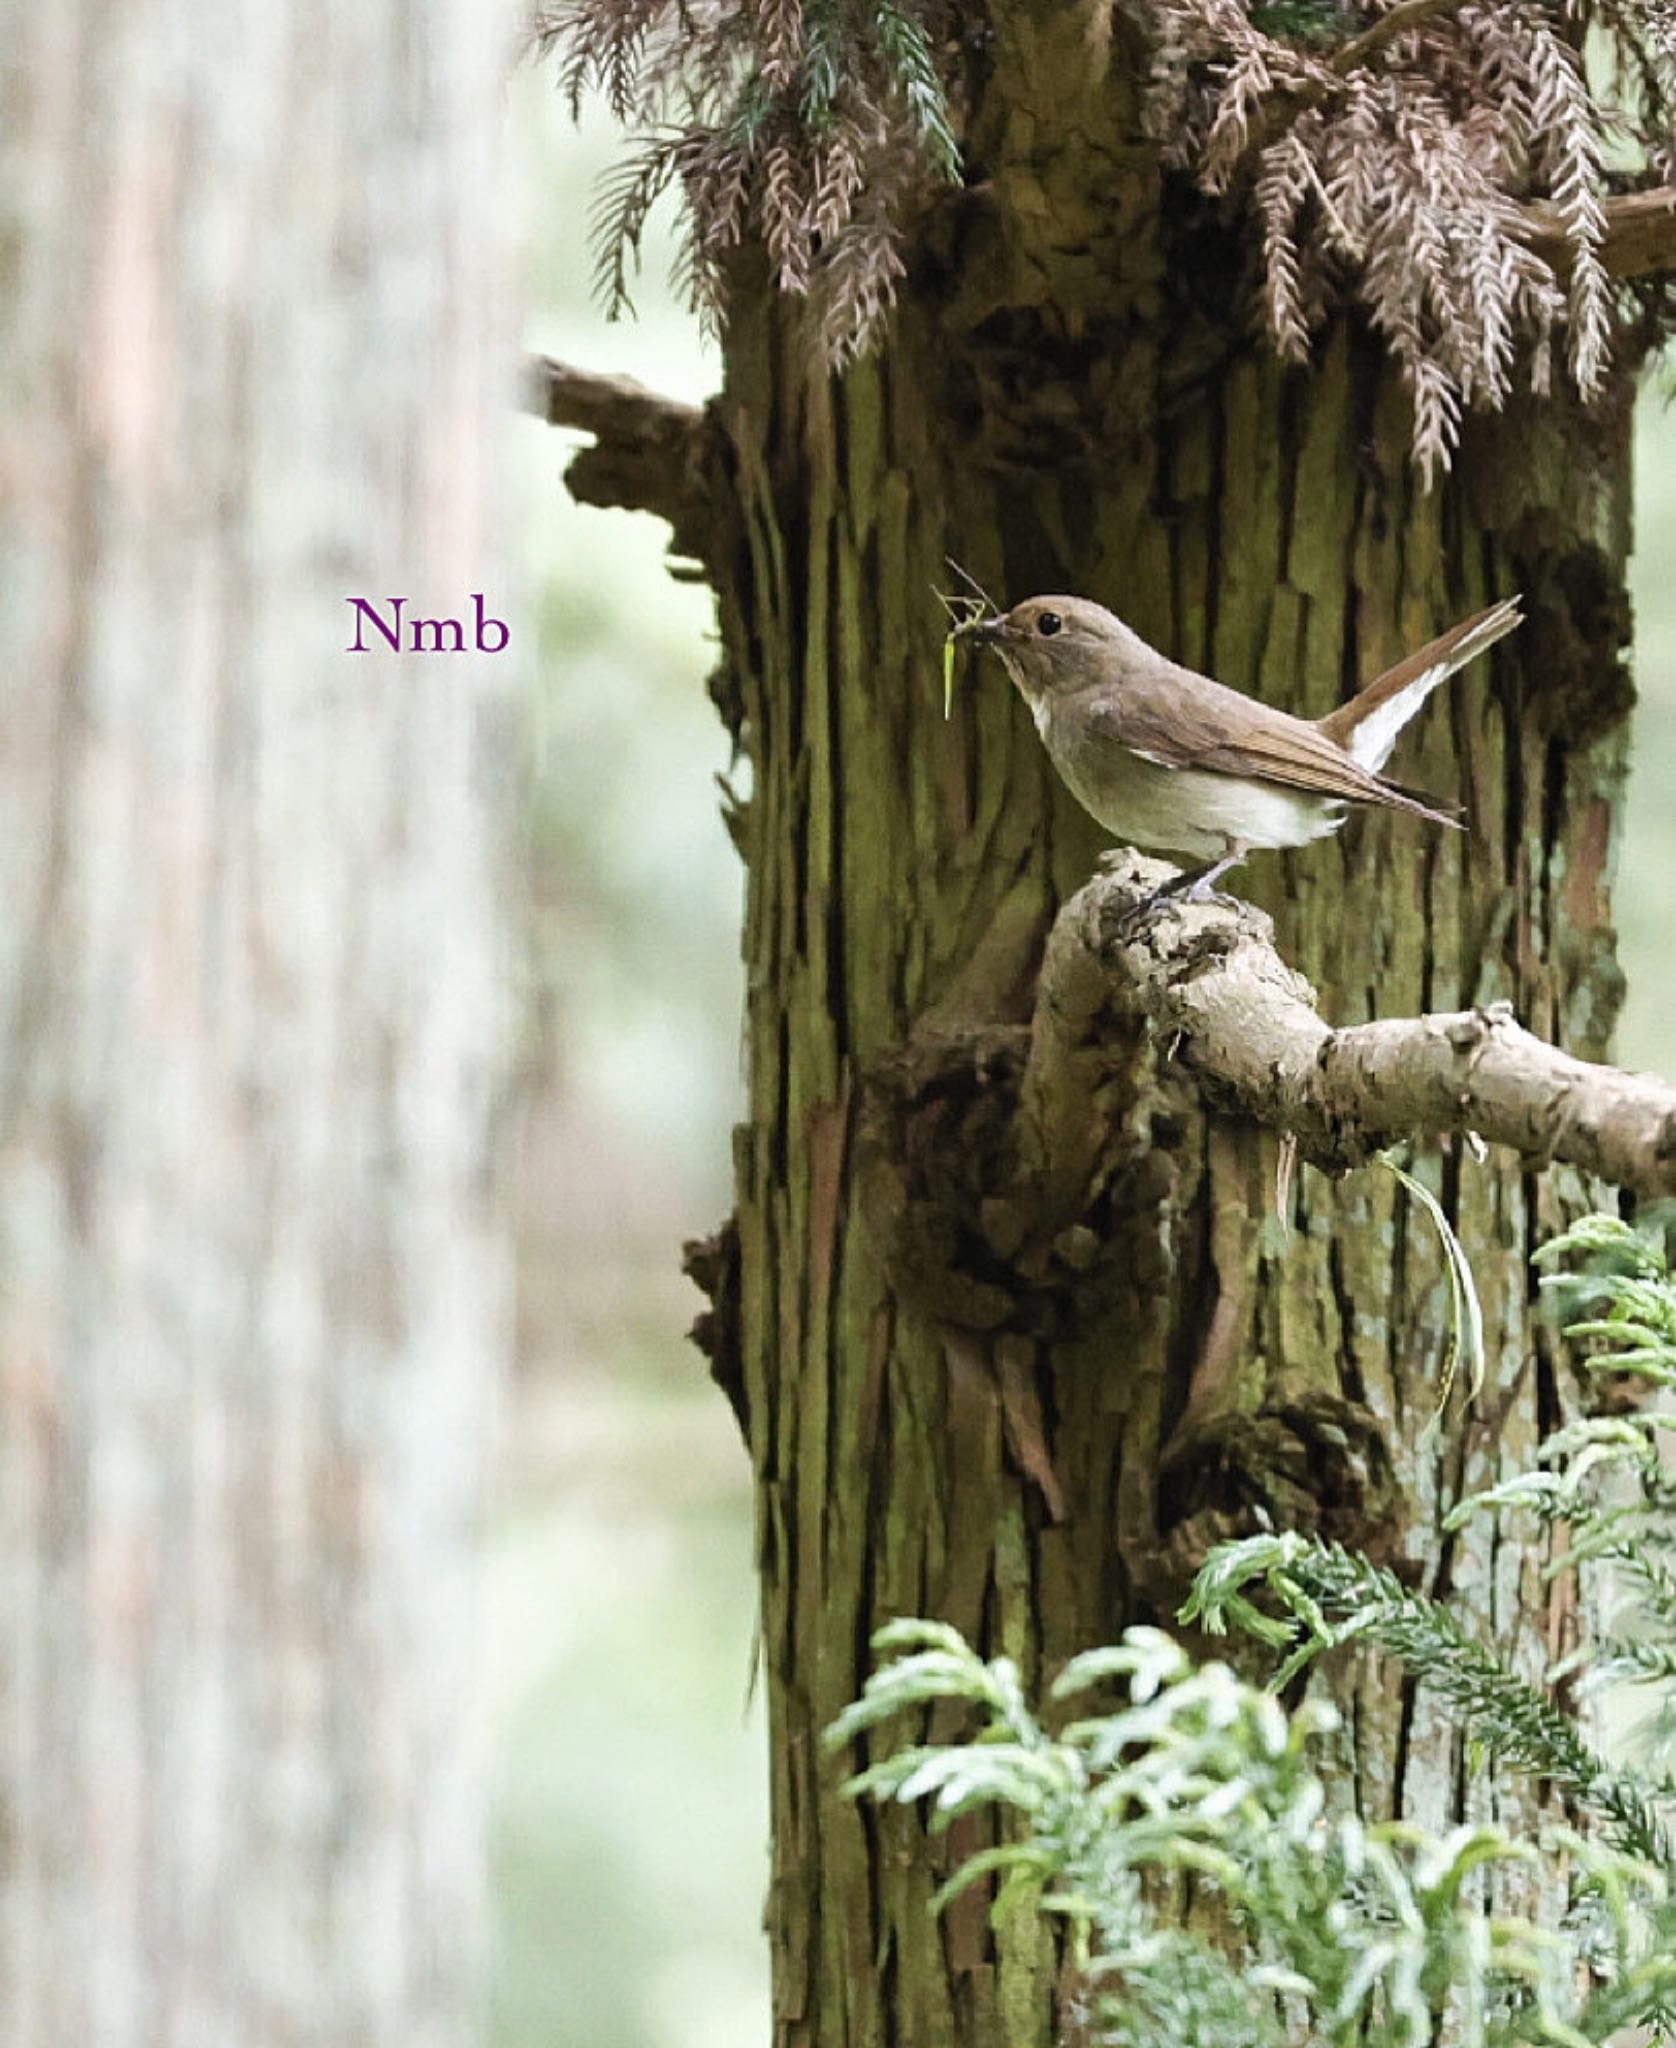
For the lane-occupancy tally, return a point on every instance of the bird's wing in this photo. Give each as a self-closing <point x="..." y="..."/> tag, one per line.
<point x="1220" y="732"/>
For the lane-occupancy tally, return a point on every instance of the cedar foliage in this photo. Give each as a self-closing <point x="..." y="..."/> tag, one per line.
<point x="1389" y="154"/>
<point x="1345" y="1927"/>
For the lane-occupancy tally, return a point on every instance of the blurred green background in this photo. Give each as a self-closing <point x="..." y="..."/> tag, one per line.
<point x="629" y="1841"/>
<point x="630" y="1829"/>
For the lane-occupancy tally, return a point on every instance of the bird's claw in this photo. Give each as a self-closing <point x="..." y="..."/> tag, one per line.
<point x="1169" y="895"/>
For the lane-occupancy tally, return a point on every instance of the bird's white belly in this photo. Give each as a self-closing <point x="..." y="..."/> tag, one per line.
<point x="1188" y="810"/>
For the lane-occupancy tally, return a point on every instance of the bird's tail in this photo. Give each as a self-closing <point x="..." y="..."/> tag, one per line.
<point x="1367" y="727"/>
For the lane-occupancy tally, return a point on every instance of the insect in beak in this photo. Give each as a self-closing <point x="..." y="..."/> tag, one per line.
<point x="966" y="622"/>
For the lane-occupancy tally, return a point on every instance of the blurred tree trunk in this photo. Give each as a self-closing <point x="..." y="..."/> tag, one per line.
<point x="251" y="1290"/>
<point x="1029" y="1422"/>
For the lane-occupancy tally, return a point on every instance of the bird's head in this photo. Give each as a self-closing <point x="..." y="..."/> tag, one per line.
<point x="1052" y="644"/>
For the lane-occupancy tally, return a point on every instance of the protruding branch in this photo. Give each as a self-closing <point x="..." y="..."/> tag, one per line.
<point x="650" y="454"/>
<point x="1364" y="48"/>
<point x="1640" y="233"/>
<point x="1291" y="100"/>
<point x="1246" y="1025"/>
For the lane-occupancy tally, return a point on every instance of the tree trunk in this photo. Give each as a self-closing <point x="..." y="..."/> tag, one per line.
<point x="1027" y="1404"/>
<point x="252" y="1304"/>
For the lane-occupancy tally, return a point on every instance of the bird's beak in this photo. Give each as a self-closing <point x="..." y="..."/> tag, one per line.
<point x="984" y="631"/>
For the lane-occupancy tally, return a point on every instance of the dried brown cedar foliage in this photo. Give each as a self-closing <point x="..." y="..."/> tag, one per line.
<point x="806" y="124"/>
<point x="1389" y="150"/>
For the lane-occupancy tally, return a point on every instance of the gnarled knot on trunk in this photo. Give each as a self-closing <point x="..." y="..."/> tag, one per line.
<point x="969" y="1231"/>
<point x="1003" y="1163"/>
<point x="1310" y="1461"/>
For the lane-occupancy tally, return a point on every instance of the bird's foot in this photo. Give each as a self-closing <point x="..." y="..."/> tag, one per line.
<point x="1193" y="885"/>
<point x="1148" y="907"/>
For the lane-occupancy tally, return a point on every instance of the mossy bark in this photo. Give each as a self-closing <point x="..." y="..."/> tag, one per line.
<point x="1032" y="1423"/>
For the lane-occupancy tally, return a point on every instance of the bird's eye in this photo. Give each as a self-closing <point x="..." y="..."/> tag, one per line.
<point x="1048" y="623"/>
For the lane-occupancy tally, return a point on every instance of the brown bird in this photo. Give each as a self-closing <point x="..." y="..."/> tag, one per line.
<point x="1166" y="758"/>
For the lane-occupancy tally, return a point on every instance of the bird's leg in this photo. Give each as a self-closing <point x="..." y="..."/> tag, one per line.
<point x="1198" y="885"/>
